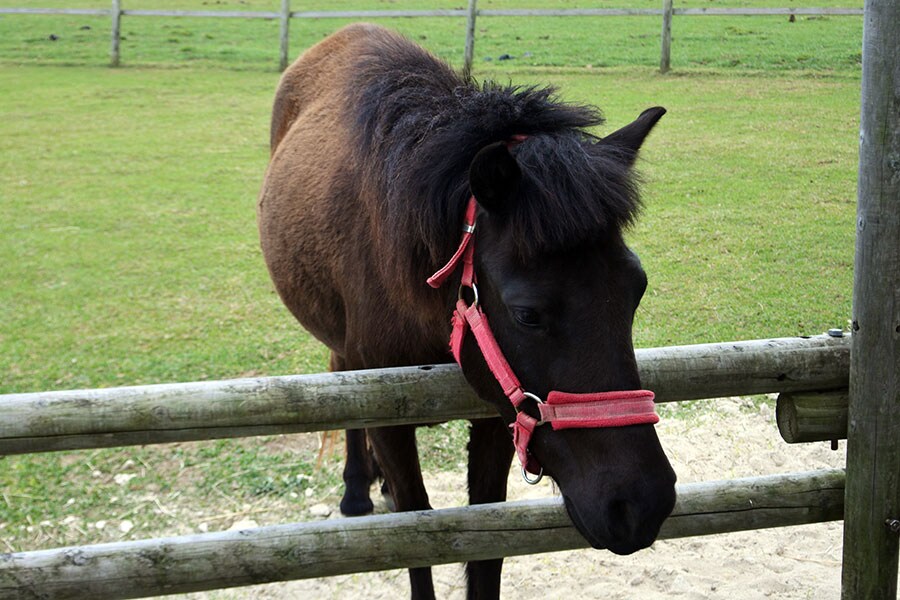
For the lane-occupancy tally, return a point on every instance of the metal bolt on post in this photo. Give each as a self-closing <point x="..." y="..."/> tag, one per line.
<point x="893" y="525"/>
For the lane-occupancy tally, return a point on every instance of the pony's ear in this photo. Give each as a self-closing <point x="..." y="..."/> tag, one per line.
<point x="494" y="177"/>
<point x="629" y="138"/>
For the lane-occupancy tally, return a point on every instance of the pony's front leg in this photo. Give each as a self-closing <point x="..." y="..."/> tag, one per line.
<point x="395" y="450"/>
<point x="358" y="469"/>
<point x="490" y="454"/>
<point x="358" y="475"/>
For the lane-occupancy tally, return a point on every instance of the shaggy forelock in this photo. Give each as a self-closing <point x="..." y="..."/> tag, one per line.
<point x="575" y="189"/>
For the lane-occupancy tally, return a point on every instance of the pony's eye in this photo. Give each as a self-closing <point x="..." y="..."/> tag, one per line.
<point x="527" y="317"/>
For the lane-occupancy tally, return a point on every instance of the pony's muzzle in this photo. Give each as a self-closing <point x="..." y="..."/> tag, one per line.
<point x="630" y="528"/>
<point x="629" y="520"/>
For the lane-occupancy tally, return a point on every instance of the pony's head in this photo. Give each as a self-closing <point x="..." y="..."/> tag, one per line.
<point x="560" y="288"/>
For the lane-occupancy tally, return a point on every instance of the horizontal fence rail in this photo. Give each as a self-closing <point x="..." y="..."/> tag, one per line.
<point x="413" y="539"/>
<point x="813" y="416"/>
<point x="472" y="13"/>
<point x="458" y="12"/>
<point x="55" y="11"/>
<point x="48" y="421"/>
<point x="246" y="14"/>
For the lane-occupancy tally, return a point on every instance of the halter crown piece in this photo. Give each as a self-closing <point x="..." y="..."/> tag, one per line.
<point x="562" y="410"/>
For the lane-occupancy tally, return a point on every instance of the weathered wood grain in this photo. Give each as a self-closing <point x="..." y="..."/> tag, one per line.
<point x="115" y="33"/>
<point x="812" y="416"/>
<point x="325" y="548"/>
<point x="352" y="399"/>
<point x="871" y="545"/>
<point x="744" y="368"/>
<point x="204" y="410"/>
<point x="284" y="35"/>
<point x="665" y="54"/>
<point x="469" y="52"/>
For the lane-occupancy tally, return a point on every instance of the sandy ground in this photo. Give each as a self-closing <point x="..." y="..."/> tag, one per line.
<point x="729" y="438"/>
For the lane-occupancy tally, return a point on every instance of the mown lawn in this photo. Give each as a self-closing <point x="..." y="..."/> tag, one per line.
<point x="128" y="249"/>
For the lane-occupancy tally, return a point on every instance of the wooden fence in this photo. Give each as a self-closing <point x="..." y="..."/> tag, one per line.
<point x="413" y="539"/>
<point x="176" y="412"/>
<point x="284" y="16"/>
<point x="872" y="519"/>
<point x="872" y="515"/>
<point x="148" y="414"/>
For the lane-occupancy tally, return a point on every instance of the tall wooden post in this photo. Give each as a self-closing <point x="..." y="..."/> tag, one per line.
<point x="872" y="506"/>
<point x="116" y="15"/>
<point x="666" y="41"/>
<point x="284" y="35"/>
<point x="470" y="39"/>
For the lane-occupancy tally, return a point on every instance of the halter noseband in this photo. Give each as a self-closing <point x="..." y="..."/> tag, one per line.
<point x="562" y="410"/>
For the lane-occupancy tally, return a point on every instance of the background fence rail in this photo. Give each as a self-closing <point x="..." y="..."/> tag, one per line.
<point x="116" y="12"/>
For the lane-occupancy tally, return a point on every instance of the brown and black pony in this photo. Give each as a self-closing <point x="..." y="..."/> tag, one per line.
<point x="376" y="148"/>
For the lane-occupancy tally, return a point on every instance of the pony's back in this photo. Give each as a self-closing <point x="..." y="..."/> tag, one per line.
<point x="315" y="209"/>
<point x="322" y="70"/>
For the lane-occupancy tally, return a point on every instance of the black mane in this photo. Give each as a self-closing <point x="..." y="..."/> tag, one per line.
<point x="418" y="127"/>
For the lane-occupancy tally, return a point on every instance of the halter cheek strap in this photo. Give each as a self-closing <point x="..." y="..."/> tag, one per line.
<point x="562" y="410"/>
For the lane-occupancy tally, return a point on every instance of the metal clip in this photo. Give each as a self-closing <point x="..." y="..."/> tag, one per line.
<point x="537" y="400"/>
<point x="534" y="481"/>
<point x="474" y="289"/>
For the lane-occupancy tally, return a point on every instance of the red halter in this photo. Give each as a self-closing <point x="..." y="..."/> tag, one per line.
<point x="562" y="410"/>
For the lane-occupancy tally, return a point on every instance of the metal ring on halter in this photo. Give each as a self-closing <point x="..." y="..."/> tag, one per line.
<point x="532" y="481"/>
<point x="474" y="292"/>
<point x="536" y="399"/>
<point x="533" y="397"/>
<point x="540" y="475"/>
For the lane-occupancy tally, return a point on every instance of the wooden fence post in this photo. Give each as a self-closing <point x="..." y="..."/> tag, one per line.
<point x="666" y="43"/>
<point x="872" y="517"/>
<point x="116" y="14"/>
<point x="284" y="34"/>
<point x="470" y="39"/>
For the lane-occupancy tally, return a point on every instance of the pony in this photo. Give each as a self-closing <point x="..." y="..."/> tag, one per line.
<point x="380" y="152"/>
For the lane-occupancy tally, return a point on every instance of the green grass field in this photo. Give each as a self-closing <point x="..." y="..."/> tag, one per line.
<point x="821" y="43"/>
<point x="129" y="251"/>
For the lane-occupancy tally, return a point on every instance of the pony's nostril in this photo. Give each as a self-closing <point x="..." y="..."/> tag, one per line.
<point x="622" y="519"/>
